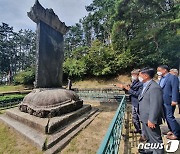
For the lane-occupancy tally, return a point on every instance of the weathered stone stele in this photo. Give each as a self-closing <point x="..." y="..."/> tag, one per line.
<point x="50" y="55"/>
<point x="49" y="99"/>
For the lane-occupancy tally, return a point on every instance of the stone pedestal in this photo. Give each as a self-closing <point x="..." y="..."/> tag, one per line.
<point x="50" y="102"/>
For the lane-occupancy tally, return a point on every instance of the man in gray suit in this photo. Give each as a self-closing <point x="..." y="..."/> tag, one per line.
<point x="151" y="111"/>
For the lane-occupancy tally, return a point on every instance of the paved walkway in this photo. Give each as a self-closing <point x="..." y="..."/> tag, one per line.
<point x="129" y="142"/>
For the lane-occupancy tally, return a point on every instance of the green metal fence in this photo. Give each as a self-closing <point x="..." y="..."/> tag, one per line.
<point x="111" y="141"/>
<point x="102" y="95"/>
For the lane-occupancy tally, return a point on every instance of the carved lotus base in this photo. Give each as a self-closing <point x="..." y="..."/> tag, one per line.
<point x="46" y="102"/>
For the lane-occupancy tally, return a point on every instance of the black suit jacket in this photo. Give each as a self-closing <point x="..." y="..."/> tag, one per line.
<point x="135" y="90"/>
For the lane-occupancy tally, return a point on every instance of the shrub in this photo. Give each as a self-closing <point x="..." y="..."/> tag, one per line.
<point x="74" y="68"/>
<point x="26" y="77"/>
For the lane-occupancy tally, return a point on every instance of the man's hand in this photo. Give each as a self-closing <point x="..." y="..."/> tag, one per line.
<point x="151" y="125"/>
<point x="120" y="85"/>
<point x="173" y="103"/>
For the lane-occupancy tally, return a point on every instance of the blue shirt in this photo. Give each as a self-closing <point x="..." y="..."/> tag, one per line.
<point x="163" y="78"/>
<point x="145" y="85"/>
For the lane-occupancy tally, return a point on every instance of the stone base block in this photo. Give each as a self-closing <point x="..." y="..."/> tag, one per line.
<point x="49" y="134"/>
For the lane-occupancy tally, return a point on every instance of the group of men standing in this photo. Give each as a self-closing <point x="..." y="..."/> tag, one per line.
<point x="152" y="102"/>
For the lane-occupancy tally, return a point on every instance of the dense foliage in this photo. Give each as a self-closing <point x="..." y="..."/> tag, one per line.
<point x="115" y="37"/>
<point x="17" y="50"/>
<point x="119" y="35"/>
<point x="25" y="77"/>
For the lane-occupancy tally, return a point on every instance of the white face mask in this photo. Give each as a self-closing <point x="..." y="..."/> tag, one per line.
<point x="133" y="78"/>
<point x="159" y="73"/>
<point x="140" y="79"/>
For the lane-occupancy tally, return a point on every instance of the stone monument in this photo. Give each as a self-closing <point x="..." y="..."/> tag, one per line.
<point x="49" y="116"/>
<point x="49" y="99"/>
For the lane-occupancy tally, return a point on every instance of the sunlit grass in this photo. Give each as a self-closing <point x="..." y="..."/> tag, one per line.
<point x="11" y="97"/>
<point x="4" y="88"/>
<point x="12" y="143"/>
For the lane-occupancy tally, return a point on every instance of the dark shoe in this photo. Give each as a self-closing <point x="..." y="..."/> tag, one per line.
<point x="135" y="131"/>
<point x="142" y="139"/>
<point x="172" y="137"/>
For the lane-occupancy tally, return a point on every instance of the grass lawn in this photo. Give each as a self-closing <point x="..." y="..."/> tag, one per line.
<point x="2" y="111"/>
<point x="11" y="97"/>
<point x="4" y="88"/>
<point x="12" y="143"/>
<point x="89" y="139"/>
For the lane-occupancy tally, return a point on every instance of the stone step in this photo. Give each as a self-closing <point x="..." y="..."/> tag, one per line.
<point x="59" y="135"/>
<point x="39" y="124"/>
<point x="56" y="123"/>
<point x="51" y="142"/>
<point x="35" y="137"/>
<point x="63" y="142"/>
<point x="46" y="125"/>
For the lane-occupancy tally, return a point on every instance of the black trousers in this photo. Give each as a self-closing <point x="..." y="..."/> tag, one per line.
<point x="154" y="138"/>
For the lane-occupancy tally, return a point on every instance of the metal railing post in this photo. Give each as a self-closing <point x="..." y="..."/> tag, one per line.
<point x="111" y="141"/>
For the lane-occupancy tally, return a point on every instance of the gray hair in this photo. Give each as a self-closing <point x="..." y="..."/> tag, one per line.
<point x="135" y="71"/>
<point x="174" y="70"/>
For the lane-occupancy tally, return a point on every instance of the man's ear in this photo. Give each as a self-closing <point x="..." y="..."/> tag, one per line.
<point x="146" y="76"/>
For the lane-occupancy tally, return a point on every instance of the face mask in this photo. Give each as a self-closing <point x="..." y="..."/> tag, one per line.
<point x="159" y="73"/>
<point x="140" y="79"/>
<point x="133" y="78"/>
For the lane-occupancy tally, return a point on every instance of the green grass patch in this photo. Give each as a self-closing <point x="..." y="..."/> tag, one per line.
<point x="10" y="101"/>
<point x="2" y="111"/>
<point x="11" y="97"/>
<point x="14" y="143"/>
<point x="4" y="88"/>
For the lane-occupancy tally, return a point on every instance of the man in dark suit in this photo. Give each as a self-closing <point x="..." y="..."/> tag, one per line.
<point x="175" y="72"/>
<point x="151" y="110"/>
<point x="134" y="90"/>
<point x="170" y="85"/>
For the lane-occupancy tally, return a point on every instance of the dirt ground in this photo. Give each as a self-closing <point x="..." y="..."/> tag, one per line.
<point x="89" y="139"/>
<point x="101" y="83"/>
